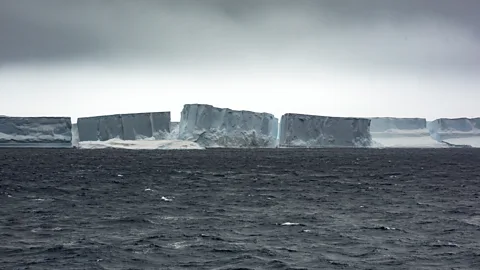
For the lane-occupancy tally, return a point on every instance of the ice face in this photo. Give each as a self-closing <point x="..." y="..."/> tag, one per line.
<point x="75" y="139"/>
<point x="383" y="124"/>
<point x="222" y="127"/>
<point x="35" y="132"/>
<point x="444" y="128"/>
<point x="124" y="126"/>
<point x="323" y="131"/>
<point x="402" y="132"/>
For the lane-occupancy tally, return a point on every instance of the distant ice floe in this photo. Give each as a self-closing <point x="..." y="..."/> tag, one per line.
<point x="52" y="132"/>
<point x="140" y="144"/>
<point x="473" y="141"/>
<point x="390" y="132"/>
<point x="406" y="139"/>
<point x="456" y="132"/>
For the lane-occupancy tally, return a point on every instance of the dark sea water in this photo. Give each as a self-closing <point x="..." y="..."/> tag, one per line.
<point x="240" y="209"/>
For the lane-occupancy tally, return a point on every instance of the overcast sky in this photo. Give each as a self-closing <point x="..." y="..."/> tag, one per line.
<point x="408" y="58"/>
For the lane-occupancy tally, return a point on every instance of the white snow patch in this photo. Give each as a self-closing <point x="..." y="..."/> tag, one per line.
<point x="472" y="141"/>
<point x="407" y="142"/>
<point x="147" y="144"/>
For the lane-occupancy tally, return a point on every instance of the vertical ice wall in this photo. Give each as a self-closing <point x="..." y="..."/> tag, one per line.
<point x="75" y="139"/>
<point x="300" y="130"/>
<point x="445" y="128"/>
<point x="402" y="132"/>
<point x="124" y="126"/>
<point x="222" y="127"/>
<point x="392" y="124"/>
<point x="35" y="132"/>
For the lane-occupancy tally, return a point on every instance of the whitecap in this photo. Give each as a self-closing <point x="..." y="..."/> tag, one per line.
<point x="178" y="245"/>
<point x="290" y="224"/>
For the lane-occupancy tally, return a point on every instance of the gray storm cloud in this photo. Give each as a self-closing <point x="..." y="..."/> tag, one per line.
<point x="408" y="34"/>
<point x="403" y="58"/>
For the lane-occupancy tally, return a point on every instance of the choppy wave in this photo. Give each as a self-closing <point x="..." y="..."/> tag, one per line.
<point x="240" y="209"/>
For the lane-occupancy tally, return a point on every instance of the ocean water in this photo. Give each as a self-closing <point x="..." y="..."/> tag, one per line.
<point x="240" y="209"/>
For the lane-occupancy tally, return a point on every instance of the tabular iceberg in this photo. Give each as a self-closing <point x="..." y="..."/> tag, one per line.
<point x="444" y="128"/>
<point x="221" y="127"/>
<point x="300" y="130"/>
<point x="402" y="132"/>
<point x="35" y="132"/>
<point x="400" y="126"/>
<point x="124" y="126"/>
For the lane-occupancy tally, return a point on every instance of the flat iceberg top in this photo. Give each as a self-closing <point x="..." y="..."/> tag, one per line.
<point x="399" y="118"/>
<point x="224" y="109"/>
<point x="459" y="119"/>
<point x="37" y="117"/>
<point x="323" y="117"/>
<point x="122" y="114"/>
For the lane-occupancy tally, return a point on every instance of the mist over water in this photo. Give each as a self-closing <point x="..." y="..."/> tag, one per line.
<point x="378" y="58"/>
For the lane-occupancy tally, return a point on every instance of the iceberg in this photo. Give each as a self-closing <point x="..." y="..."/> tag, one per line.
<point x="135" y="126"/>
<point x="301" y="130"/>
<point x="55" y="132"/>
<point x="445" y="128"/>
<point x="402" y="132"/>
<point x="456" y="131"/>
<point x="391" y="126"/>
<point x="222" y="127"/>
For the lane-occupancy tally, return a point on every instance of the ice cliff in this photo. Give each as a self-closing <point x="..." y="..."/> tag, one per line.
<point x="300" y="130"/>
<point x="75" y="138"/>
<point x="402" y="133"/>
<point x="444" y="128"/>
<point x="124" y="126"/>
<point x="35" y="132"/>
<point x="400" y="126"/>
<point x="221" y="127"/>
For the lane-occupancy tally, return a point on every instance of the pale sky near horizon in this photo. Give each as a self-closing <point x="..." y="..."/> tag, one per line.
<point x="409" y="58"/>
